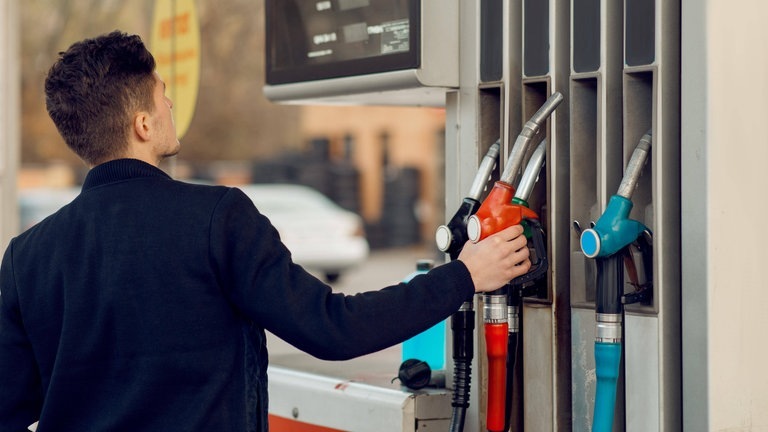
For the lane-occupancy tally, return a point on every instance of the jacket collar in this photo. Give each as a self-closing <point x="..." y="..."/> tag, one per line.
<point x="120" y="169"/>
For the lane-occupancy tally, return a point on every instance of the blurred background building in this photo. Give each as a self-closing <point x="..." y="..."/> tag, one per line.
<point x="383" y="162"/>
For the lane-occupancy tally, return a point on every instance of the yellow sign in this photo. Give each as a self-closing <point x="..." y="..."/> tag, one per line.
<point x="175" y="44"/>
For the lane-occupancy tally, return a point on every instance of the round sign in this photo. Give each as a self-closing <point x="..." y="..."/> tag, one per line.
<point x="175" y="44"/>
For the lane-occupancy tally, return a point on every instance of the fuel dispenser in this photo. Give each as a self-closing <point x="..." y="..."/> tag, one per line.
<point x="624" y="83"/>
<point x="492" y="64"/>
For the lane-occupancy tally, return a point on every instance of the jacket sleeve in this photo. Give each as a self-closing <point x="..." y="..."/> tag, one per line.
<point x="261" y="280"/>
<point x="21" y="398"/>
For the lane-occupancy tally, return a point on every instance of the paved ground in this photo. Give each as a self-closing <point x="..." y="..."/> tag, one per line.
<point x="384" y="267"/>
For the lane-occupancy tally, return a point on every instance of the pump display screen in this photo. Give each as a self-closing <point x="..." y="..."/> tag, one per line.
<point x="309" y="40"/>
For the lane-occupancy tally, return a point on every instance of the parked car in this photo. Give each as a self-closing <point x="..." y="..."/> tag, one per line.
<point x="321" y="235"/>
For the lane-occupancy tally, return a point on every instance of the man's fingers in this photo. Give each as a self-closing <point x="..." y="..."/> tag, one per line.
<point x="497" y="259"/>
<point x="510" y="233"/>
<point x="518" y="263"/>
<point x="521" y="269"/>
<point x="519" y="255"/>
<point x="519" y="242"/>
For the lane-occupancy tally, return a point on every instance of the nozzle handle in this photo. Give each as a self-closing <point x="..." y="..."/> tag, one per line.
<point x="496" y="213"/>
<point x="540" y="267"/>
<point x="610" y="284"/>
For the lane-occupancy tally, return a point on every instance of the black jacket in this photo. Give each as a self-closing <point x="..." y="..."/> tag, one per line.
<point x="142" y="305"/>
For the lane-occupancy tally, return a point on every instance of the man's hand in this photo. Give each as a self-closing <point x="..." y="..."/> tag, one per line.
<point x="497" y="259"/>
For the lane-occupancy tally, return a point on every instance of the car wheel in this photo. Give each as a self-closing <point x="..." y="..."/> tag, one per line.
<point x="332" y="277"/>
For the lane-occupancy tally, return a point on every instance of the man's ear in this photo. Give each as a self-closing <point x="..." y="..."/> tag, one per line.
<point x="141" y="125"/>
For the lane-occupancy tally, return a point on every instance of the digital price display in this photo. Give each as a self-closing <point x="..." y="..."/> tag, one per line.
<point x="309" y="40"/>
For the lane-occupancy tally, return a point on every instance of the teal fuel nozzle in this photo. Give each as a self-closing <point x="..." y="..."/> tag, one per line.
<point x="614" y="230"/>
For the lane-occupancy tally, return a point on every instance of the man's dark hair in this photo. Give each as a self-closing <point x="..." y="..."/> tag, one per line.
<point x="94" y="88"/>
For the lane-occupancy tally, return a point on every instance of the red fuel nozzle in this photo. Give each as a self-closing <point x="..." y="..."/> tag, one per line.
<point x="497" y="212"/>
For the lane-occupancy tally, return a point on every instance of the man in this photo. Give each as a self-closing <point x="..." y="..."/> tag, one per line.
<point x="142" y="305"/>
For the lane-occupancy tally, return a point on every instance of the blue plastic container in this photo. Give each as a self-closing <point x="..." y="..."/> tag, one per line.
<point x="429" y="345"/>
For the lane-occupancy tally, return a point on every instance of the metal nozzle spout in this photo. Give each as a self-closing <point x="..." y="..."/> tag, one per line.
<point x="530" y="129"/>
<point x="484" y="171"/>
<point x="528" y="180"/>
<point x="545" y="111"/>
<point x="635" y="166"/>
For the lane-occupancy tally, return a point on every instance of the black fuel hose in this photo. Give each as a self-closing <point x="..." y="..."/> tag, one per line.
<point x="513" y="313"/>
<point x="462" y="328"/>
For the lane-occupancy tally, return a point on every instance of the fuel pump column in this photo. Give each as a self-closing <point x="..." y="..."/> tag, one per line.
<point x="497" y="213"/>
<point x="450" y="239"/>
<point x="613" y="232"/>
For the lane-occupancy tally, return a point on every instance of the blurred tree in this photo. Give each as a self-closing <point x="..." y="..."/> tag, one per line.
<point x="233" y="120"/>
